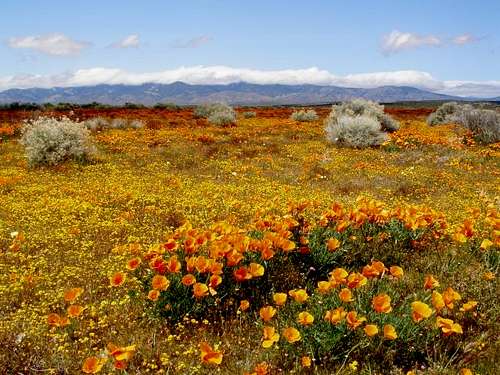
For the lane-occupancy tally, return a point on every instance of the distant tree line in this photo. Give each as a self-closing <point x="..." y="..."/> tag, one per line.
<point x="73" y="106"/>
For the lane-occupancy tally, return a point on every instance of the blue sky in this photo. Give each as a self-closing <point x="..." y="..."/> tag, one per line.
<point x="445" y="45"/>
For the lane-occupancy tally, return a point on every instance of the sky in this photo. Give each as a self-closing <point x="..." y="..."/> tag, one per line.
<point x="448" y="46"/>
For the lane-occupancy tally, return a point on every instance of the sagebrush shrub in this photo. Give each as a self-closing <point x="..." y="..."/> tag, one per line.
<point x="304" y="115"/>
<point x="362" y="107"/>
<point x="206" y="110"/>
<point x="222" y="118"/>
<point x="249" y="114"/>
<point x="100" y="123"/>
<point x="483" y="123"/>
<point x="444" y="114"/>
<point x="355" y="131"/>
<point x="50" y="141"/>
<point x="96" y="123"/>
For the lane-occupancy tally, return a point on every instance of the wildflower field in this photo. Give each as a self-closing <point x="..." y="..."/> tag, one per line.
<point x="188" y="248"/>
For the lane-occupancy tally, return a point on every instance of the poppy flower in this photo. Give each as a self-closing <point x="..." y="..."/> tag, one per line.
<point x="299" y="295"/>
<point x="188" y="280"/>
<point x="121" y="353"/>
<point x="92" y="365"/>
<point x="256" y="269"/>
<point x="345" y="295"/>
<point x="437" y="300"/>
<point x="279" y="298"/>
<point x="171" y="245"/>
<point x="133" y="263"/>
<point x="332" y="244"/>
<point x="158" y="265"/>
<point x="270" y="337"/>
<point x="468" y="306"/>
<point x="200" y="290"/>
<point x="382" y="303"/>
<point x="74" y="311"/>
<point x="305" y="361"/>
<point x="266" y="313"/>
<point x="396" y="272"/>
<point x="244" y="305"/>
<point x="420" y="311"/>
<point x="324" y="287"/>
<point x="466" y="371"/>
<point x="448" y="326"/>
<point x="390" y="332"/>
<point x="353" y="320"/>
<point x="120" y="365"/>
<point x="72" y="294"/>
<point x="305" y="318"/>
<point x="173" y="265"/>
<point x="450" y="296"/>
<point x="153" y="295"/>
<point x="339" y="275"/>
<point x="241" y="274"/>
<point x="335" y="316"/>
<point x="373" y="270"/>
<point x="371" y="330"/>
<point x="261" y="368"/>
<point x="215" y="280"/>
<point x="160" y="282"/>
<point x="210" y="356"/>
<point x="430" y="282"/>
<point x="54" y="320"/>
<point x="485" y="244"/>
<point x="291" y="335"/>
<point x="356" y="280"/>
<point x="117" y="279"/>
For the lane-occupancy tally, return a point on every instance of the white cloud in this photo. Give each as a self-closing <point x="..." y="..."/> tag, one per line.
<point x="464" y="39"/>
<point x="193" y="43"/>
<point x="225" y="75"/>
<point x="397" y="41"/>
<point x="52" y="44"/>
<point x="131" y="41"/>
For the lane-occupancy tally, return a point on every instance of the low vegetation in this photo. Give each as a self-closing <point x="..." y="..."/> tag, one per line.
<point x="259" y="249"/>
<point x="304" y="115"/>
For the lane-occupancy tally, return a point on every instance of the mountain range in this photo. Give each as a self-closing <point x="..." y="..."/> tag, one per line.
<point x="236" y="93"/>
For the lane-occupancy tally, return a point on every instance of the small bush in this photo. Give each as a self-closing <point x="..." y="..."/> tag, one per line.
<point x="304" y="116"/>
<point x="483" y="123"/>
<point x="49" y="141"/>
<point x="222" y="118"/>
<point x="96" y="124"/>
<point x="249" y="114"/>
<point x="206" y="110"/>
<point x="355" y="131"/>
<point x="168" y="106"/>
<point x="444" y="114"/>
<point x="100" y="123"/>
<point x="361" y="107"/>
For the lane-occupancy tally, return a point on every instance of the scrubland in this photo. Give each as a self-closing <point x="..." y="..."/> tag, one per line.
<point x="186" y="247"/>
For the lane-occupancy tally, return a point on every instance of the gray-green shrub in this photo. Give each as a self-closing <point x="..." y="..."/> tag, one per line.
<point x="304" y="115"/>
<point x="249" y="114"/>
<point x="206" y="110"/>
<point x="444" y="114"/>
<point x="483" y="123"/>
<point x="50" y="141"/>
<point x="222" y="118"/>
<point x="100" y="123"/>
<point x="355" y="131"/>
<point x="362" y="107"/>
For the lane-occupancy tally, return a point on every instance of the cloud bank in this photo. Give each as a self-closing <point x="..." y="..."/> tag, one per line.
<point x="131" y="41"/>
<point x="51" y="44"/>
<point x="226" y="75"/>
<point x="397" y="41"/>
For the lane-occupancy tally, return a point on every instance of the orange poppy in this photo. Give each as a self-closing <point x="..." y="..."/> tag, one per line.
<point x="72" y="294"/>
<point x="353" y="320"/>
<point x="371" y="330"/>
<point x="450" y="296"/>
<point x="266" y="313"/>
<point x="92" y="365"/>
<point x="171" y="245"/>
<point x="448" y="326"/>
<point x="324" y="287"/>
<point x="332" y="244"/>
<point x="339" y="275"/>
<point x="133" y="263"/>
<point x="356" y="280"/>
<point x="123" y="353"/>
<point x="279" y="298"/>
<point x="270" y="337"/>
<point x="430" y="282"/>
<point x="299" y="295"/>
<point x="256" y="270"/>
<point x="468" y="306"/>
<point x="215" y="280"/>
<point x="305" y="361"/>
<point x="54" y="320"/>
<point x="74" y="311"/>
<point x="173" y="265"/>
<point x="345" y="295"/>
<point x="420" y="311"/>
<point x="209" y="355"/>
<point x="117" y="279"/>
<point x="335" y="316"/>
<point x="305" y="318"/>
<point x="382" y="303"/>
<point x="437" y="300"/>
<point x="396" y="272"/>
<point x="153" y="295"/>
<point x="242" y="274"/>
<point x="390" y="332"/>
<point x="188" y="279"/>
<point x="291" y="335"/>
<point x="120" y="365"/>
<point x="244" y="305"/>
<point x="160" y="282"/>
<point x="200" y="290"/>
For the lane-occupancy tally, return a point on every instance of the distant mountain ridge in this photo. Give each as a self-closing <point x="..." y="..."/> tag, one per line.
<point x="235" y="93"/>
